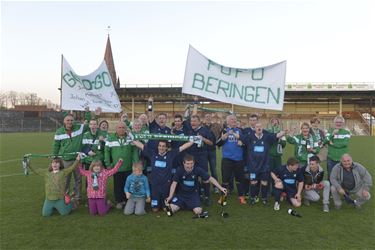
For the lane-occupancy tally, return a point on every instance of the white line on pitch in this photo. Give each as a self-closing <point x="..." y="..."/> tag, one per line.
<point x="9" y="175"/>
<point x="18" y="159"/>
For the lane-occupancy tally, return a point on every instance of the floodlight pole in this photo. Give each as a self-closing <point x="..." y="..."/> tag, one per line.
<point x="133" y="109"/>
<point x="371" y="115"/>
<point x="340" y="105"/>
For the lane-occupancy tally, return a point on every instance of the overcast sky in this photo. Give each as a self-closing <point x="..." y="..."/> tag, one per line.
<point x="322" y="41"/>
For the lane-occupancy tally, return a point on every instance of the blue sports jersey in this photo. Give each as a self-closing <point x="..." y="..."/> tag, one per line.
<point x="231" y="150"/>
<point x="182" y="131"/>
<point x="289" y="179"/>
<point x="188" y="182"/>
<point x="161" y="165"/>
<point x="156" y="129"/>
<point x="257" y="151"/>
<point x="200" y="153"/>
<point x="177" y="144"/>
<point x="248" y="131"/>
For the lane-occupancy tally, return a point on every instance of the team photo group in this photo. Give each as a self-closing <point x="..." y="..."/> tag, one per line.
<point x="158" y="166"/>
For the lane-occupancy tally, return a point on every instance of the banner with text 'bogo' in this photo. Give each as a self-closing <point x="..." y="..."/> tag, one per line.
<point x="261" y="88"/>
<point x="93" y="90"/>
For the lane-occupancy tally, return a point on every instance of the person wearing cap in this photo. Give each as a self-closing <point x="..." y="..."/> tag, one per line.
<point x="289" y="179"/>
<point x="348" y="179"/>
<point x="313" y="181"/>
<point x="184" y="191"/>
<point x="338" y="143"/>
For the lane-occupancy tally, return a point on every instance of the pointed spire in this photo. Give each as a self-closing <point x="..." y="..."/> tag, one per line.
<point x="108" y="58"/>
<point x="118" y="82"/>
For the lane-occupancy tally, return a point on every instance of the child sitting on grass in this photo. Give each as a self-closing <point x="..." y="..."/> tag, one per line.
<point x="137" y="191"/>
<point x="55" y="179"/>
<point x="97" y="186"/>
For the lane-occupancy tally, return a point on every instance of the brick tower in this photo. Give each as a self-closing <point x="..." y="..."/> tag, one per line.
<point x="108" y="58"/>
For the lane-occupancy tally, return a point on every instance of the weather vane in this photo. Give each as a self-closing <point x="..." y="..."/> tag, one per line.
<point x="108" y="29"/>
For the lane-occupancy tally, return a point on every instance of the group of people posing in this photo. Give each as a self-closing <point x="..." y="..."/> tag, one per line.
<point x="174" y="173"/>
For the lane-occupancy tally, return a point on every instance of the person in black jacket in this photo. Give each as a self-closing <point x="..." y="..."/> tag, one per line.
<point x="313" y="179"/>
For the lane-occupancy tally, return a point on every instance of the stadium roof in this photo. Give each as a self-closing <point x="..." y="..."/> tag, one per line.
<point x="360" y="93"/>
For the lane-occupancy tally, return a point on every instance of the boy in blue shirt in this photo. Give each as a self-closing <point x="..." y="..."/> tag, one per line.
<point x="186" y="182"/>
<point x="289" y="179"/>
<point x="137" y="191"/>
<point x="161" y="169"/>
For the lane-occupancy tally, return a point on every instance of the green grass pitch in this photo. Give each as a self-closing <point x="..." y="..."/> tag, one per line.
<point x="23" y="227"/>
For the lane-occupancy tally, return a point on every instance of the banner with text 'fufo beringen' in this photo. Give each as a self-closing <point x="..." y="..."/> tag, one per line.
<point x="261" y="88"/>
<point x="93" y="90"/>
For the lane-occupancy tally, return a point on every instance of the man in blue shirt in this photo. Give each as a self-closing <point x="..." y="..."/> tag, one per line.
<point x="186" y="182"/>
<point x="253" y="119"/>
<point x="288" y="179"/>
<point x="161" y="164"/>
<point x="232" y="156"/>
<point x="200" y="151"/>
<point x="179" y="128"/>
<point x="258" y="145"/>
<point x="156" y="126"/>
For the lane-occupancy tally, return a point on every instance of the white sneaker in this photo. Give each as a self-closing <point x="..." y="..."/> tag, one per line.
<point x="120" y="205"/>
<point x="325" y="208"/>
<point x="276" y="207"/>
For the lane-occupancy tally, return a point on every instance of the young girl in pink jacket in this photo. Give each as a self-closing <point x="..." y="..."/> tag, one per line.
<point x="97" y="186"/>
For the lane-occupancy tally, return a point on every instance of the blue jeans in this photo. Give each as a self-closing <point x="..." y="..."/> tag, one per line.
<point x="330" y="165"/>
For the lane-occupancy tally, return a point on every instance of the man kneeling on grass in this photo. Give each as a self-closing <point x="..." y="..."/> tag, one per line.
<point x="313" y="180"/>
<point x="288" y="179"/>
<point x="348" y="179"/>
<point x="187" y="195"/>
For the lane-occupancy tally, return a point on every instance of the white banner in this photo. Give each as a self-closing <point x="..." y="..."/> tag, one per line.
<point x="261" y="88"/>
<point x="94" y="90"/>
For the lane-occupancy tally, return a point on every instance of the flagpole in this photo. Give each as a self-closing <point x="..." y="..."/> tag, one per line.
<point x="61" y="77"/>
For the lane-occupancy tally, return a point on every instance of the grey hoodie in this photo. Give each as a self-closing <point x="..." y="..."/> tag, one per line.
<point x="362" y="177"/>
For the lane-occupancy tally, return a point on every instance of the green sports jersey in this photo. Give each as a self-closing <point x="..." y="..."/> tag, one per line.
<point x="301" y="145"/>
<point x="91" y="142"/>
<point x="65" y="143"/>
<point x="340" y="143"/>
<point x="277" y="149"/>
<point x="117" y="147"/>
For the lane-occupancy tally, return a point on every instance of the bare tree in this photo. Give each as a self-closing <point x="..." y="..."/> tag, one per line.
<point x="20" y="98"/>
<point x="3" y="100"/>
<point x="13" y="97"/>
